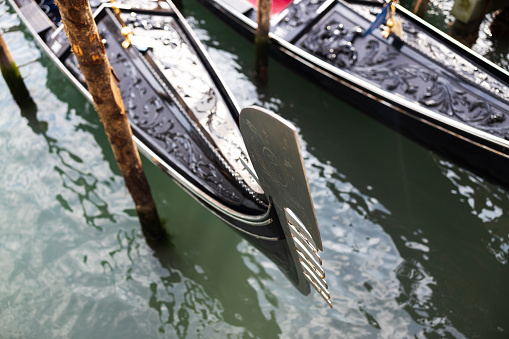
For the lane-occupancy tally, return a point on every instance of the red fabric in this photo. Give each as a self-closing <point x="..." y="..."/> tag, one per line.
<point x="277" y="5"/>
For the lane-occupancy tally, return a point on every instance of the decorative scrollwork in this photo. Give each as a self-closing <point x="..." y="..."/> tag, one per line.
<point x="376" y="55"/>
<point x="147" y="112"/>
<point x="334" y="43"/>
<point x="440" y="53"/>
<point x="182" y="67"/>
<point x="444" y="96"/>
<point x="434" y="92"/>
<point x="300" y="13"/>
<point x="380" y="63"/>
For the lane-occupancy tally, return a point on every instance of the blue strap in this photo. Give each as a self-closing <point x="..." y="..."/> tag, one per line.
<point x="380" y="19"/>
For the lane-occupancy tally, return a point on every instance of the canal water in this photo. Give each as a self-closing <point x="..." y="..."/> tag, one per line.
<point x="415" y="245"/>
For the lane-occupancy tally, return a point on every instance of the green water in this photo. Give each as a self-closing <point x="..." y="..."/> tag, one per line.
<point x="415" y="245"/>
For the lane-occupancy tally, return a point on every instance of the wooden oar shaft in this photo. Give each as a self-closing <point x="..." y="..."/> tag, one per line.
<point x="90" y="52"/>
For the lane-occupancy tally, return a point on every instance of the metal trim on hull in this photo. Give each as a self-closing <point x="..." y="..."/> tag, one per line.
<point x="259" y="225"/>
<point x="252" y="220"/>
<point x="450" y="40"/>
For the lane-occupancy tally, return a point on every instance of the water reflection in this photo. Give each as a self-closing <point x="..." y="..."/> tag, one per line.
<point x="415" y="245"/>
<point x="407" y="243"/>
<point x="80" y="185"/>
<point x="487" y="202"/>
<point x="193" y="300"/>
<point x="101" y="283"/>
<point x="410" y="262"/>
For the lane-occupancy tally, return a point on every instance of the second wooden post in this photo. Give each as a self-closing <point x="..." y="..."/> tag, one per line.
<point x="262" y="39"/>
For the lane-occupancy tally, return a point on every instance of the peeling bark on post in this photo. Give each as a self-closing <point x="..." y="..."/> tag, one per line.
<point x="262" y="39"/>
<point x="89" y="50"/>
<point x="13" y="78"/>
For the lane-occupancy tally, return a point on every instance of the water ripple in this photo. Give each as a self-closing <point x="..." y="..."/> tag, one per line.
<point x="400" y="262"/>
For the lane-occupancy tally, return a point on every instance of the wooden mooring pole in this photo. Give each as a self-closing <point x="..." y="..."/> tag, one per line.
<point x="419" y="7"/>
<point x="262" y="39"/>
<point x="12" y="77"/>
<point x="469" y="15"/>
<point x="89" y="50"/>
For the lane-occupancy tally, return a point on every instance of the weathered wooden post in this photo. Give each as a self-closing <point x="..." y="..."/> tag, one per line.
<point x="469" y="15"/>
<point x="88" y="48"/>
<point x="262" y="39"/>
<point x="12" y="76"/>
<point x="500" y="25"/>
<point x="419" y="7"/>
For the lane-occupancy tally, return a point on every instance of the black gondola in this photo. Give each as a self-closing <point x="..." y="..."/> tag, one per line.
<point x="185" y="121"/>
<point x="422" y="83"/>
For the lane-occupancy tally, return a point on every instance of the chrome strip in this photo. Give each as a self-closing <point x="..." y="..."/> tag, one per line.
<point x="450" y="39"/>
<point x="201" y="202"/>
<point x="312" y="274"/>
<point x="248" y="219"/>
<point x="254" y="220"/>
<point x="250" y="170"/>
<point x="312" y="252"/>
<point x="324" y="294"/>
<point x="50" y="53"/>
<point x="295" y="223"/>
<point x="238" y="15"/>
<point x="317" y="268"/>
<point x="312" y="61"/>
<point x="312" y="259"/>
<point x="308" y="257"/>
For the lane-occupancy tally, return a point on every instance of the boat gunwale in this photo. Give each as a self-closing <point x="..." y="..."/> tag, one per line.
<point x="389" y="96"/>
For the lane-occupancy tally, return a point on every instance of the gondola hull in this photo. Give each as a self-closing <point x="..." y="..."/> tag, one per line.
<point x="183" y="118"/>
<point x="422" y="84"/>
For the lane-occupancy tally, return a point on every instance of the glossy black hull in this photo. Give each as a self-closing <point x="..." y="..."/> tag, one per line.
<point x="431" y="99"/>
<point x="164" y="126"/>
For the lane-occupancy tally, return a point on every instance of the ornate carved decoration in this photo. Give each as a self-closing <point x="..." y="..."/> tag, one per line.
<point x="181" y="66"/>
<point x="417" y="39"/>
<point x="452" y="61"/>
<point x="374" y="60"/>
<point x="295" y="18"/>
<point x="300" y="12"/>
<point x="334" y="43"/>
<point x="147" y="112"/>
